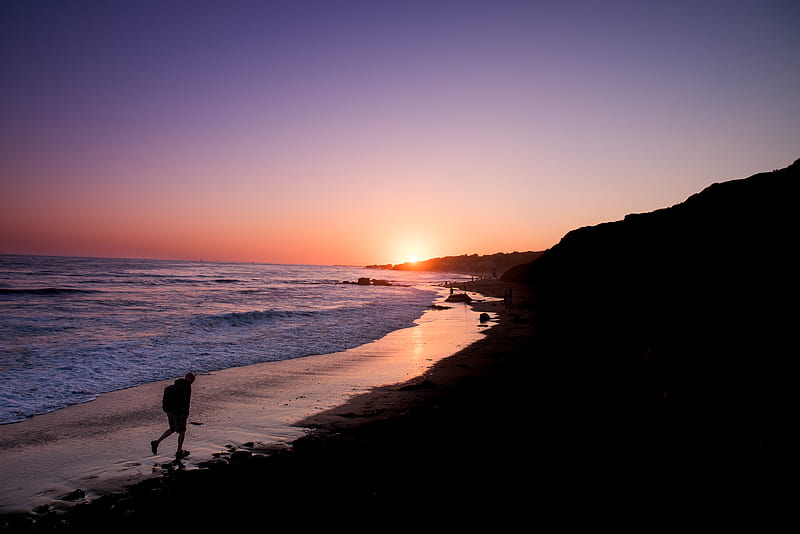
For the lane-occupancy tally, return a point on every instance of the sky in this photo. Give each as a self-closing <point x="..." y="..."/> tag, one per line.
<point x="361" y="132"/>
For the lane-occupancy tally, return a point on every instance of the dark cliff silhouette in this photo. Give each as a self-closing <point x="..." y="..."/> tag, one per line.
<point x="672" y="335"/>
<point x="475" y="264"/>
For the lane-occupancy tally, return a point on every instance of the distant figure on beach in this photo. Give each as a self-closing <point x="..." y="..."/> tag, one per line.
<point x="175" y="404"/>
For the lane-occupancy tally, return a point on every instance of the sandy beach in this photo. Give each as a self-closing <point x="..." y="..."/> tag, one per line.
<point x="74" y="455"/>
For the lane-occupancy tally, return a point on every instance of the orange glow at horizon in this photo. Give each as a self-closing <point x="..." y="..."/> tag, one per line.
<point x="333" y="138"/>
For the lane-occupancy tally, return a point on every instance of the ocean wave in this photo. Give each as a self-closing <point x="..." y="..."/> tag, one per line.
<point x="153" y="320"/>
<point x="161" y="281"/>
<point x="46" y="291"/>
<point x="248" y="318"/>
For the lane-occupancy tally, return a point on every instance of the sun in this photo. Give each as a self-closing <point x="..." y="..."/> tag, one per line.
<point x="411" y="251"/>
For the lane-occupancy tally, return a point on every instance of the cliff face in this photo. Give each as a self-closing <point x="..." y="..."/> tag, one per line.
<point x="695" y="306"/>
<point x="729" y="247"/>
<point x="727" y="229"/>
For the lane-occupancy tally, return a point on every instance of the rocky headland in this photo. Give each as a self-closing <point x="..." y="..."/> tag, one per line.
<point x="491" y="265"/>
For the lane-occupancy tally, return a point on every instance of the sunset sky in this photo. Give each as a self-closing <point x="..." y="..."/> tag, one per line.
<point x="342" y="132"/>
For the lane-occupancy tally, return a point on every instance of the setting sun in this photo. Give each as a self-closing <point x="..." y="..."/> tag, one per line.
<point x="410" y="247"/>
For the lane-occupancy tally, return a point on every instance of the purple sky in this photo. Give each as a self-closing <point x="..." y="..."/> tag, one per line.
<point x="367" y="132"/>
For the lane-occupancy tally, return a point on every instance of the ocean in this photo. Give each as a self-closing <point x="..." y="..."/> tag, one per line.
<point x="73" y="328"/>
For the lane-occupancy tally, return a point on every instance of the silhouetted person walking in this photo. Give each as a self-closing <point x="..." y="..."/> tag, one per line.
<point x="176" y="405"/>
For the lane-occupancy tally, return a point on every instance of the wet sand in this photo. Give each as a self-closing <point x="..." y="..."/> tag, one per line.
<point x="52" y="461"/>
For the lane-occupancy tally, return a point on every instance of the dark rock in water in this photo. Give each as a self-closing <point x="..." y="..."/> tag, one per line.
<point x="459" y="297"/>
<point x="370" y="281"/>
<point x="484" y="317"/>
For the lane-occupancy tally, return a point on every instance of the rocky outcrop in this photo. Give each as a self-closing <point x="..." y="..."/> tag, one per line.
<point x="369" y="282"/>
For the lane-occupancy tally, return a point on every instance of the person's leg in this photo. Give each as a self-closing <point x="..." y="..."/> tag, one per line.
<point x="154" y="444"/>
<point x="180" y="428"/>
<point x="181" y="436"/>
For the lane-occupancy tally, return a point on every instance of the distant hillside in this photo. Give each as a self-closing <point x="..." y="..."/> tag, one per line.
<point x="468" y="264"/>
<point x="673" y="332"/>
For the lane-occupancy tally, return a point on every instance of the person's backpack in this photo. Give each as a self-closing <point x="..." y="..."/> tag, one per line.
<point x="171" y="399"/>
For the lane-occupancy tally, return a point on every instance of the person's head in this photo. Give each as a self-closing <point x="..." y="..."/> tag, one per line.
<point x="189" y="377"/>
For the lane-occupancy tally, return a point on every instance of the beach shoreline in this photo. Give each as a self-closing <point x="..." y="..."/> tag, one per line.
<point x="226" y="425"/>
<point x="486" y="438"/>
